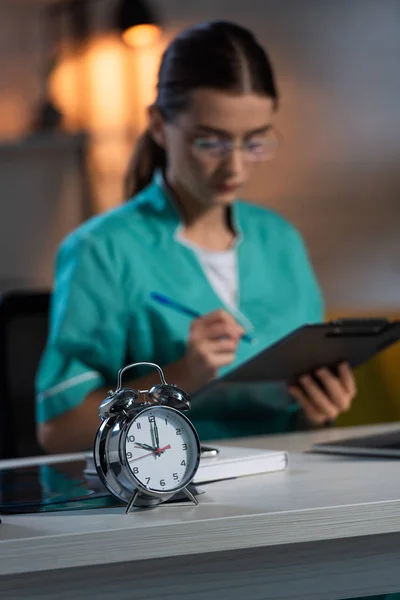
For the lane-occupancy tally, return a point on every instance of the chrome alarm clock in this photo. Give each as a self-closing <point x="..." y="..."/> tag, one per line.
<point x="146" y="451"/>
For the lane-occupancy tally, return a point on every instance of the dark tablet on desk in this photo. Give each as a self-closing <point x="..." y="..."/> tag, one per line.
<point x="321" y="345"/>
<point x="51" y="487"/>
<point x="379" y="445"/>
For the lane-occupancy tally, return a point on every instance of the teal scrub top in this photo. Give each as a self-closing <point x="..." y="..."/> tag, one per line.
<point x="102" y="315"/>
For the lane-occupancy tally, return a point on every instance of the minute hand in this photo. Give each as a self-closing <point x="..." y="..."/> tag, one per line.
<point x="157" y="440"/>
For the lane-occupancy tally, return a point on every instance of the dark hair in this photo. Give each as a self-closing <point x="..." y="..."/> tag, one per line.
<point x="218" y="55"/>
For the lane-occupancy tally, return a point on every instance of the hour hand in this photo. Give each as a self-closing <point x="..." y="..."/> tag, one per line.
<point x="145" y="447"/>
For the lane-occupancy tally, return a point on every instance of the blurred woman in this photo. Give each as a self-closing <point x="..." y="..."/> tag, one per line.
<point x="187" y="234"/>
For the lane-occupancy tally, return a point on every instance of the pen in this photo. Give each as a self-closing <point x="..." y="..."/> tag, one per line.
<point x="186" y="310"/>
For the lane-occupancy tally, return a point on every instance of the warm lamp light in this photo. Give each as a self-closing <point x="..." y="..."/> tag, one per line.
<point x="90" y="87"/>
<point x="102" y="87"/>
<point x="105" y="87"/>
<point x="140" y="36"/>
<point x="137" y="23"/>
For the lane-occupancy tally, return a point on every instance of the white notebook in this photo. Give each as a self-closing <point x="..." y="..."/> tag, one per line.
<point x="230" y="462"/>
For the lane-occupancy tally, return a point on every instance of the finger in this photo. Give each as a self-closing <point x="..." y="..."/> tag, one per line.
<point x="318" y="397"/>
<point x="347" y="378"/>
<point x="220" y="316"/>
<point x="309" y="409"/>
<point x="223" y="359"/>
<point x="216" y="315"/>
<point x="218" y="346"/>
<point x="221" y="330"/>
<point x="204" y="327"/>
<point x="336" y="391"/>
<point x="217" y="355"/>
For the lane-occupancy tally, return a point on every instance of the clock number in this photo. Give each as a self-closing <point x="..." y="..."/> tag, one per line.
<point x="184" y="446"/>
<point x="152" y="419"/>
<point x="135" y="470"/>
<point x="147" y="480"/>
<point x="131" y="439"/>
<point x="178" y="431"/>
<point x="162" y="482"/>
<point x="175" y="476"/>
<point x="139" y="425"/>
<point x="166" y="421"/>
<point x="183" y="463"/>
<point x="129" y="455"/>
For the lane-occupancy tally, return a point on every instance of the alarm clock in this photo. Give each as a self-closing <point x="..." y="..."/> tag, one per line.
<point x="146" y="451"/>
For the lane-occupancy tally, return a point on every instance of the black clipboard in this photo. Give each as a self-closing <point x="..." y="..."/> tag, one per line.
<point x="317" y="345"/>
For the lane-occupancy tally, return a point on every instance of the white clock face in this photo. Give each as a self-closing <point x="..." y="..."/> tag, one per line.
<point x="161" y="449"/>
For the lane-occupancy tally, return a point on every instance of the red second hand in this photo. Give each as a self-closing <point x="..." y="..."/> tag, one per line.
<point x="150" y="453"/>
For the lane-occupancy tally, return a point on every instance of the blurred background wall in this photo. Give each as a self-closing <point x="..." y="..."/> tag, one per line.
<point x="336" y="176"/>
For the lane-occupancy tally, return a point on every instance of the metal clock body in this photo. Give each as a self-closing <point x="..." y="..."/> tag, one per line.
<point x="146" y="452"/>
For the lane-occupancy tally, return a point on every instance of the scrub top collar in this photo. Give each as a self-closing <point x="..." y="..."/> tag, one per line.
<point x="164" y="201"/>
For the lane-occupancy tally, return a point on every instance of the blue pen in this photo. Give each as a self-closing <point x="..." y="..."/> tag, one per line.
<point x="187" y="311"/>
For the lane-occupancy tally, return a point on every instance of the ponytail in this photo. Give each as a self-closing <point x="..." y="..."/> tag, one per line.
<point x="147" y="158"/>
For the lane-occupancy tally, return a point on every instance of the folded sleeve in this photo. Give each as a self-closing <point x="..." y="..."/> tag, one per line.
<point x="87" y="329"/>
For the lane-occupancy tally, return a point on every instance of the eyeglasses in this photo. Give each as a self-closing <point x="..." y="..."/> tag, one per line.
<point x="256" y="149"/>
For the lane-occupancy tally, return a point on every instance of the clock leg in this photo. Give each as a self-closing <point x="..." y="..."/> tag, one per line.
<point x="189" y="495"/>
<point x="131" y="502"/>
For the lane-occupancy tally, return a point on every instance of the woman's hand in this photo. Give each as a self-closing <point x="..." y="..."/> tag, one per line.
<point x="212" y="344"/>
<point x="324" y="396"/>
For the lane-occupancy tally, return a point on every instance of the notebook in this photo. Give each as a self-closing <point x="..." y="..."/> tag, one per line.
<point x="230" y="462"/>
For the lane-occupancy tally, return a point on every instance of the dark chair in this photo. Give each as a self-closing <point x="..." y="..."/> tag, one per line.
<point x="23" y="334"/>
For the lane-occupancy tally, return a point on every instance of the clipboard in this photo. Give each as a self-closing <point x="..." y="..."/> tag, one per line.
<point x="317" y="345"/>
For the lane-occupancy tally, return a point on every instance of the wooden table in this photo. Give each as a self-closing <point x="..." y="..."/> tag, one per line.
<point x="327" y="528"/>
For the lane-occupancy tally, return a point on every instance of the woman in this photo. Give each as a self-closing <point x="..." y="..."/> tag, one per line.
<point x="185" y="234"/>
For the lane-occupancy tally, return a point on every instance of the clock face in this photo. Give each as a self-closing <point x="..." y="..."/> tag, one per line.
<point x="162" y="449"/>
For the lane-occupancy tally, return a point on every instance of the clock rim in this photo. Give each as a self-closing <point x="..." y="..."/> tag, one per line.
<point x="124" y="461"/>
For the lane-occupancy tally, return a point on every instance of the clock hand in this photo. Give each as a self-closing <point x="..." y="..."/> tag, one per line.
<point x="153" y="439"/>
<point x="145" y="447"/>
<point x="150" y="453"/>
<point x="156" y="435"/>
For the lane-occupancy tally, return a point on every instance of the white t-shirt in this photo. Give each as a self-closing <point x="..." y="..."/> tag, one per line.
<point x="220" y="268"/>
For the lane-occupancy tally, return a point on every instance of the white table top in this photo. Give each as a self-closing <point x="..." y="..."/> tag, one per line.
<point x="317" y="498"/>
